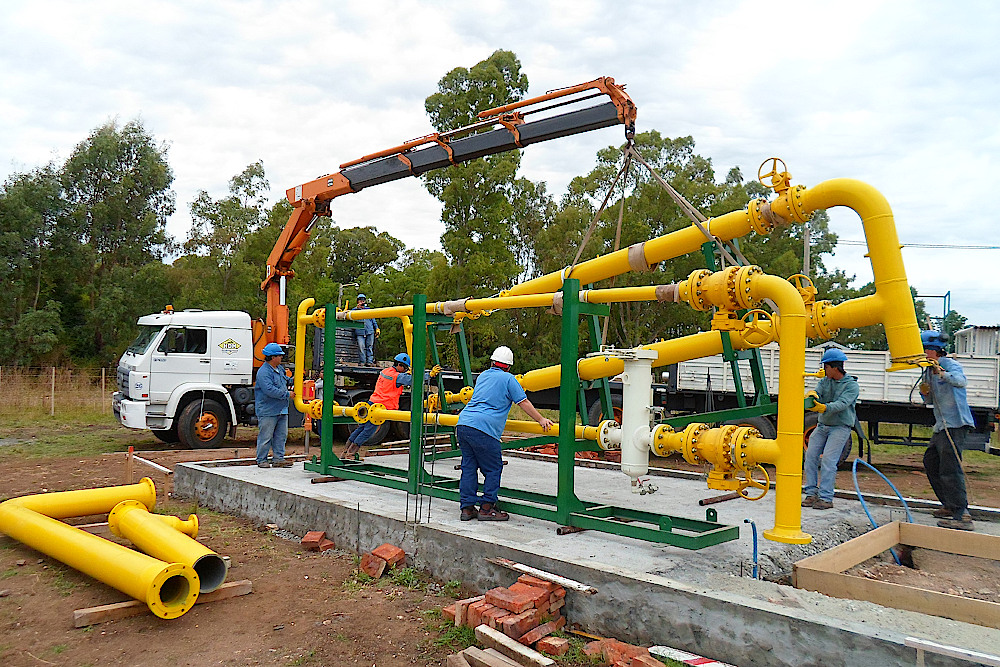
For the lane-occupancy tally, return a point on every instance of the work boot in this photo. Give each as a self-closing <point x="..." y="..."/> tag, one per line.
<point x="352" y="449"/>
<point x="489" y="512"/>
<point x="965" y="523"/>
<point x="263" y="464"/>
<point x="821" y="504"/>
<point x="282" y="464"/>
<point x="469" y="513"/>
<point x="943" y="513"/>
<point x="809" y="501"/>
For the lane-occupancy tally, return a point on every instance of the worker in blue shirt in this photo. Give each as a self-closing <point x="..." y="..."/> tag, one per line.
<point x="834" y="400"/>
<point x="366" y="336"/>
<point x="943" y="385"/>
<point x="480" y="425"/>
<point x="271" y="408"/>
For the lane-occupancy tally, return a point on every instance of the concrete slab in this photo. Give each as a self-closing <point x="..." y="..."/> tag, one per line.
<point x="648" y="593"/>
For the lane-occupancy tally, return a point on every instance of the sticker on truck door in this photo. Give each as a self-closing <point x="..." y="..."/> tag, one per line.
<point x="229" y="346"/>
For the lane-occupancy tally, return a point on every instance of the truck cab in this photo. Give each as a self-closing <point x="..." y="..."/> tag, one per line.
<point x="188" y="376"/>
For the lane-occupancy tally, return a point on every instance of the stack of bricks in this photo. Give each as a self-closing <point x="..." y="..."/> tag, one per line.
<point x="528" y="611"/>
<point x="316" y="540"/>
<point x="615" y="653"/>
<point x="385" y="557"/>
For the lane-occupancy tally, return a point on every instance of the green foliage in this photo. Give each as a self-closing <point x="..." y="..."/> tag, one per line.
<point x="37" y="334"/>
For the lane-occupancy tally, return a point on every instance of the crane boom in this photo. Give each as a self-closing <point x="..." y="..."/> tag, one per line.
<point x="433" y="151"/>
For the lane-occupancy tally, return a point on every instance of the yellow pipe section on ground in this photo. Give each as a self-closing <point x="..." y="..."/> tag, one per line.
<point x="131" y="520"/>
<point x="169" y="590"/>
<point x="378" y="414"/>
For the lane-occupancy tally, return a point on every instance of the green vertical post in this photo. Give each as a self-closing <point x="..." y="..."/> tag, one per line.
<point x="417" y="364"/>
<point x="566" y="500"/>
<point x="329" y="386"/>
<point x="463" y="355"/>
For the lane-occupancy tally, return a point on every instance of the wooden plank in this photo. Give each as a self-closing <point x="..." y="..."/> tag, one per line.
<point x="512" y="648"/>
<point x="479" y="658"/>
<point x="978" y="612"/>
<point x="119" y="610"/>
<point x="456" y="660"/>
<point x="501" y="657"/>
<point x="542" y="574"/>
<point x="952" y="651"/>
<point x="958" y="542"/>
<point x="850" y="553"/>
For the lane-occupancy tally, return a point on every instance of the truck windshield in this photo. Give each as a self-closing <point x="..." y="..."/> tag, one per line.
<point x="146" y="335"/>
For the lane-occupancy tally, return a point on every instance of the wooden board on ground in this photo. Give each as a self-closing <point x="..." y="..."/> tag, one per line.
<point x="823" y="572"/>
<point x="118" y="610"/>
<point x="511" y="648"/>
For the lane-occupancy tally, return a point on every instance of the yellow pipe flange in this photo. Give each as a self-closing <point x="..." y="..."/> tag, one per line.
<point x="818" y="321"/>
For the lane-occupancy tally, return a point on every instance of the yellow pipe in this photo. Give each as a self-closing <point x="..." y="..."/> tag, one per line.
<point x="407" y="334"/>
<point x="377" y="414"/>
<point x="302" y="319"/>
<point x="131" y="520"/>
<point x="892" y="303"/>
<point x="169" y="590"/>
<point x="187" y="526"/>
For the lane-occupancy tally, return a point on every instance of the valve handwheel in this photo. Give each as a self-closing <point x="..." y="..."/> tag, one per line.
<point x="755" y="333"/>
<point x="750" y="482"/>
<point x="773" y="174"/>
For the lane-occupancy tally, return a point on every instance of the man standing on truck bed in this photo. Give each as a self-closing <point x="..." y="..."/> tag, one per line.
<point x="480" y="425"/>
<point x="943" y="385"/>
<point x="271" y="408"/>
<point x="388" y="388"/>
<point x="366" y="336"/>
<point x="834" y="400"/>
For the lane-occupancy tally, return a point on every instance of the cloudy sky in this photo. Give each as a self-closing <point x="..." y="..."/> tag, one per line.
<point x="902" y="95"/>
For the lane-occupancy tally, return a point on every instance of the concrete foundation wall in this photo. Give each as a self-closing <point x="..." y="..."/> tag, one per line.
<point x="643" y="609"/>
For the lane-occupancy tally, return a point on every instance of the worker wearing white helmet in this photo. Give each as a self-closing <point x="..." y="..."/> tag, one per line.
<point x="480" y="426"/>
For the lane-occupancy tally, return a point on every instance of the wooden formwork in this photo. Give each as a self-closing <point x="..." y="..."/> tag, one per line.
<point x="824" y="572"/>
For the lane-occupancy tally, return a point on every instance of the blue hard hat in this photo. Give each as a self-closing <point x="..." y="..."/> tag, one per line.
<point x="833" y="354"/>
<point x="934" y="340"/>
<point x="362" y="296"/>
<point x="273" y="350"/>
<point x="402" y="358"/>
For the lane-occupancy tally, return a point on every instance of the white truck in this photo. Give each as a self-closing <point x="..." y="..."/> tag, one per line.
<point x="188" y="376"/>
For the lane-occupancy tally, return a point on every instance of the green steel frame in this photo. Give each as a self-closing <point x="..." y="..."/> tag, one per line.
<point x="566" y="508"/>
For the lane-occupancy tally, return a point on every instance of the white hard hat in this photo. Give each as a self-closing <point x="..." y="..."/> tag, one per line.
<point x="503" y="355"/>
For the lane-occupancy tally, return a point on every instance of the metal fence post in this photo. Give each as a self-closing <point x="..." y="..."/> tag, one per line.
<point x="52" y="409"/>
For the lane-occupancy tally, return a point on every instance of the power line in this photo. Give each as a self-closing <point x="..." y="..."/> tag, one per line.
<point x="930" y="245"/>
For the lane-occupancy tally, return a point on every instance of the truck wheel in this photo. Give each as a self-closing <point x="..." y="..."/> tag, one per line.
<point x="168" y="436"/>
<point x="763" y="424"/>
<point x="203" y="424"/>
<point x="809" y="422"/>
<point x="596" y="415"/>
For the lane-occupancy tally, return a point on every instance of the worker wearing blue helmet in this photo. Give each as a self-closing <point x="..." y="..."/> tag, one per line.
<point x="271" y="408"/>
<point x="388" y="388"/>
<point x="834" y="399"/>
<point x="943" y="386"/>
<point x="366" y="336"/>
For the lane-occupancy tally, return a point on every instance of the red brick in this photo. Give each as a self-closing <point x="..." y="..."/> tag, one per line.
<point x="537" y="583"/>
<point x="312" y="539"/>
<point x="558" y="594"/>
<point x="462" y="608"/>
<point x="372" y="565"/>
<point x="474" y="615"/>
<point x="517" y="624"/>
<point x="538" y="596"/>
<point x="494" y="616"/>
<point x="617" y="651"/>
<point x="391" y="554"/>
<point x="553" y="645"/>
<point x="554" y="607"/>
<point x="594" y="648"/>
<point x="533" y="635"/>
<point x="507" y="599"/>
<point x="326" y="545"/>
<point x="645" y="661"/>
<point x="449" y="612"/>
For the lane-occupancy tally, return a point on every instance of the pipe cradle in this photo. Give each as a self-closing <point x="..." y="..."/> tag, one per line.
<point x="131" y="520"/>
<point x="169" y="590"/>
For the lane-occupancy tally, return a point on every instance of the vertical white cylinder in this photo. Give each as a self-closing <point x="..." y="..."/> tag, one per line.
<point x="637" y="398"/>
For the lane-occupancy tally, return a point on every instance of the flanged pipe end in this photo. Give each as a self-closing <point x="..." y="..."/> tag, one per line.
<point x="361" y="412"/>
<point x="115" y="515"/>
<point x="174" y="591"/>
<point x="787" y="535"/>
<point x="152" y="493"/>
<point x="192" y="521"/>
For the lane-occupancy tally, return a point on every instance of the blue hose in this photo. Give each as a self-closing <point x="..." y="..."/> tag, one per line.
<point x="864" y="505"/>
<point x="753" y="526"/>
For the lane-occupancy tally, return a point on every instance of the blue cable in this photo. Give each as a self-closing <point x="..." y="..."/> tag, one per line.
<point x="753" y="526"/>
<point x="864" y="505"/>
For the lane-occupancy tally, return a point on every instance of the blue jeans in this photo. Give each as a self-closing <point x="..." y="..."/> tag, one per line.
<point x="827" y="442"/>
<point x="271" y="436"/>
<point x="479" y="452"/>
<point x="362" y="434"/>
<point x="366" y="348"/>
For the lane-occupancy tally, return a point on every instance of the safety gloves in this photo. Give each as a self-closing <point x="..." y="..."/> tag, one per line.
<point x="817" y="406"/>
<point x="434" y="371"/>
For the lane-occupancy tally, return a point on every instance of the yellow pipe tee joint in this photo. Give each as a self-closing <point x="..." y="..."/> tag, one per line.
<point x="729" y="289"/>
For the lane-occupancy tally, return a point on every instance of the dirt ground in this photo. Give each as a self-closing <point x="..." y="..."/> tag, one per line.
<point x="305" y="609"/>
<point x="975" y="578"/>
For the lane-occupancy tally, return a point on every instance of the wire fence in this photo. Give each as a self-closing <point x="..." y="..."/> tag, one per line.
<point x="51" y="390"/>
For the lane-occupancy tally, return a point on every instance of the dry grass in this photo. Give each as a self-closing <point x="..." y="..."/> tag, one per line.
<point x="28" y="392"/>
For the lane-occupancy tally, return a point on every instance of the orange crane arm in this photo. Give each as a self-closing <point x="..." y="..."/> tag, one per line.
<point x="511" y="131"/>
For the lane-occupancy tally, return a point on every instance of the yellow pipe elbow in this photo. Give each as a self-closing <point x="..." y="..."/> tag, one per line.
<point x="302" y="319"/>
<point x="131" y="520"/>
<point x="187" y="526"/>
